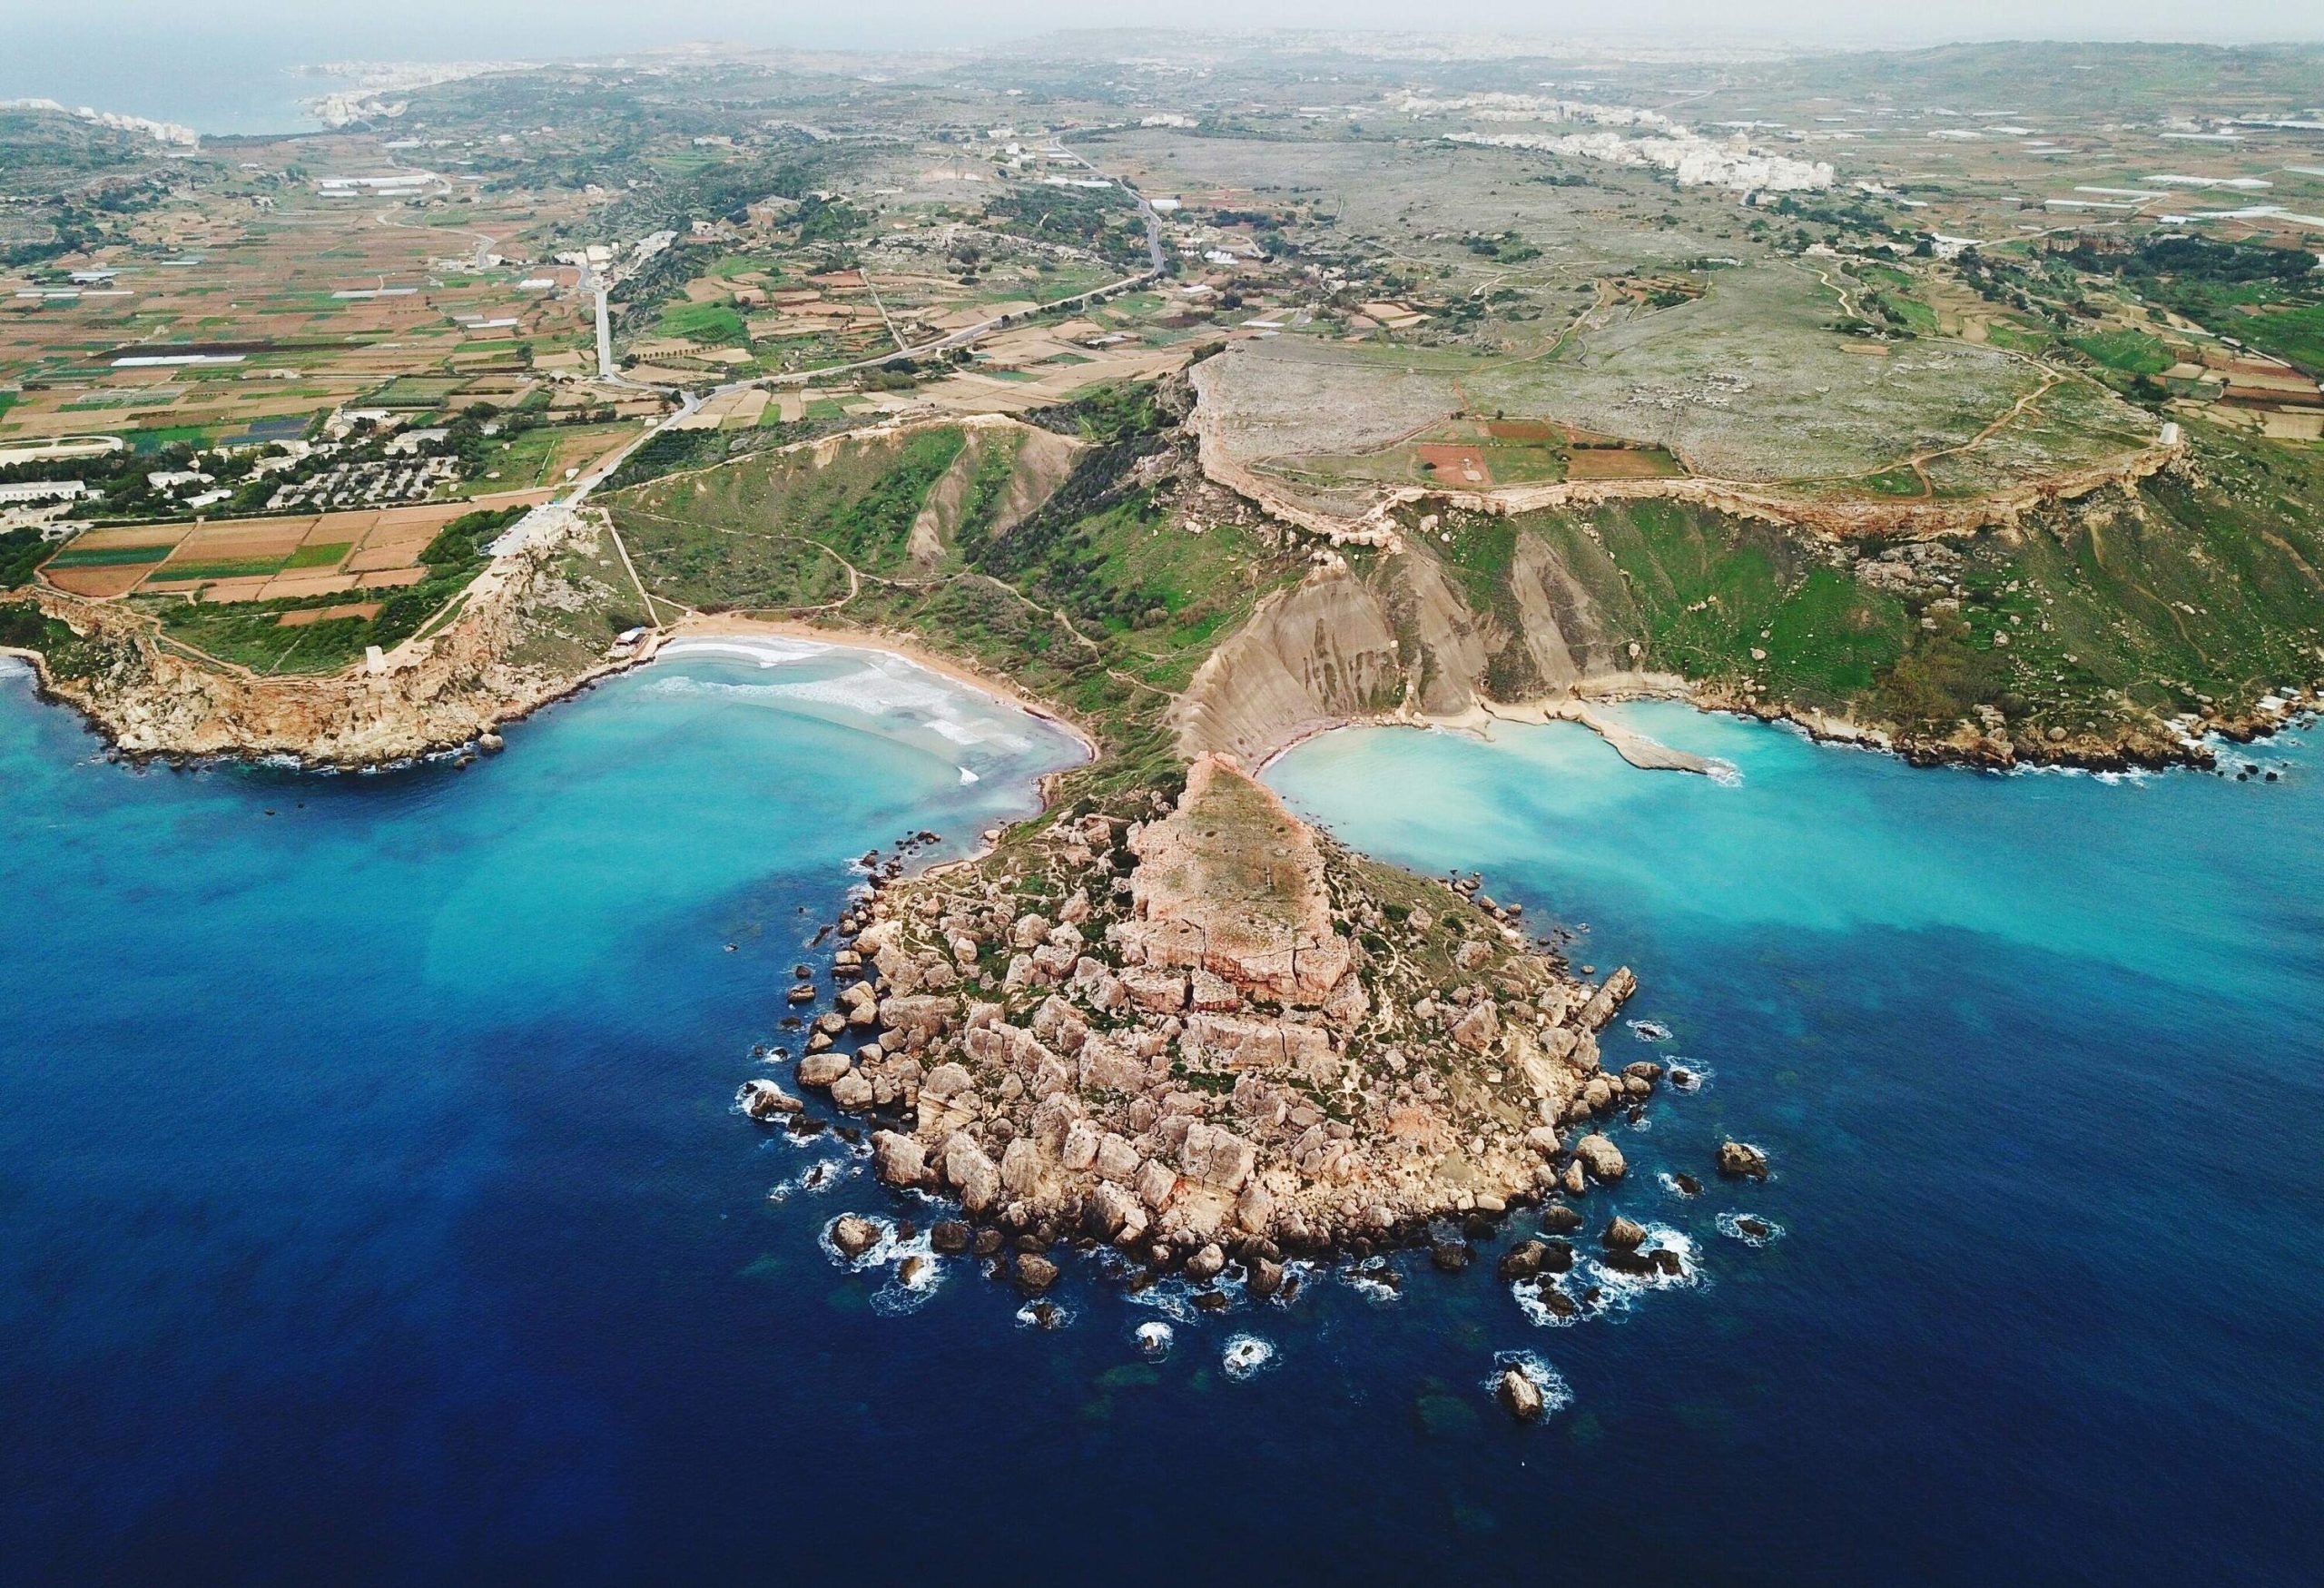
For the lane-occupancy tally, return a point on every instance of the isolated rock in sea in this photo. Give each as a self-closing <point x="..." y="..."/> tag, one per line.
<point x="1741" y="1160"/>
<point x="1622" y="1234"/>
<point x="1035" y="1273"/>
<point x="854" y="1235"/>
<point x="1522" y="1261"/>
<point x="1519" y="1396"/>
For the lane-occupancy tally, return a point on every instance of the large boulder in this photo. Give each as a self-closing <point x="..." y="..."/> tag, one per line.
<point x="1117" y="1158"/>
<point x="854" y="1092"/>
<point x="1608" y="999"/>
<point x="854" y="1235"/>
<point x="897" y="1158"/>
<point x="1206" y="1264"/>
<point x="1601" y="1158"/>
<point x="1115" y="1212"/>
<point x="1522" y="1261"/>
<point x="970" y="1171"/>
<point x="1216" y="1157"/>
<point x="1622" y="1234"/>
<point x="1035" y="1273"/>
<point x="823" y="1068"/>
<point x="1021" y="1167"/>
<point x="1741" y="1160"/>
<point x="948" y="1102"/>
<point x="1477" y="1029"/>
<point x="1519" y="1396"/>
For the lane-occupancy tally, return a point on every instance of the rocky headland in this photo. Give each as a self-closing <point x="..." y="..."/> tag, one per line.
<point x="1199" y="1031"/>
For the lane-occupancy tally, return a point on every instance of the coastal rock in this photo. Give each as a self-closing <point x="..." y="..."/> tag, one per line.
<point x="1559" y="1219"/>
<point x="854" y="1091"/>
<point x="948" y="1235"/>
<point x="1622" y="1234"/>
<point x="764" y="1101"/>
<point x="1608" y="999"/>
<point x="947" y="1102"/>
<point x="898" y="1160"/>
<point x="1522" y="1261"/>
<point x="823" y="1068"/>
<point x="1116" y="1213"/>
<point x="1206" y="1264"/>
<point x="1741" y="1160"/>
<point x="970" y="1171"/>
<point x="1601" y="1158"/>
<point x="854" y="1235"/>
<point x="1216" y="1157"/>
<point x="1519" y="1396"/>
<point x="1035" y="1273"/>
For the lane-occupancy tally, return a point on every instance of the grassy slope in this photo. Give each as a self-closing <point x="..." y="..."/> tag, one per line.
<point x="1091" y="602"/>
<point x="2124" y="608"/>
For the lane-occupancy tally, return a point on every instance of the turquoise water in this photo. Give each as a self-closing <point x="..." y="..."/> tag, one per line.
<point x="372" y="1207"/>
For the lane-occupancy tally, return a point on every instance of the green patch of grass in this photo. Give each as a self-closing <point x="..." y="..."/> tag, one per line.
<point x="244" y="567"/>
<point x="2133" y="352"/>
<point x="161" y="435"/>
<point x="328" y="555"/>
<point x="701" y="323"/>
<point x="102" y="557"/>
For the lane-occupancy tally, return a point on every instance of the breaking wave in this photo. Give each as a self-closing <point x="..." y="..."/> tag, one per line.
<point x="1247" y="1355"/>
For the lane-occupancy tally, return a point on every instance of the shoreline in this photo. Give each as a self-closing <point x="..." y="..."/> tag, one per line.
<point x="736" y="625"/>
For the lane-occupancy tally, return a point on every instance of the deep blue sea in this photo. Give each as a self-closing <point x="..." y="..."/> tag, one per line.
<point x="372" y="1207"/>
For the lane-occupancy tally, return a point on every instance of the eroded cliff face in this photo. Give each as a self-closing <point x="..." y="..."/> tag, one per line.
<point x="1323" y="652"/>
<point x="1401" y="641"/>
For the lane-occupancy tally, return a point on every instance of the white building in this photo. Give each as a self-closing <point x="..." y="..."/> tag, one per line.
<point x="42" y="490"/>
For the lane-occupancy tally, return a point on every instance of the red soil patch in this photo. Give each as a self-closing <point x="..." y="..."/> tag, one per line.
<point x="1617" y="463"/>
<point x="305" y="616"/>
<point x="390" y="578"/>
<point x="1456" y="465"/>
<point x="118" y="580"/>
<point x="1522" y="430"/>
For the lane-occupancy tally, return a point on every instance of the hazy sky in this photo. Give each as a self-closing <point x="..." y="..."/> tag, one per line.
<point x="438" y="28"/>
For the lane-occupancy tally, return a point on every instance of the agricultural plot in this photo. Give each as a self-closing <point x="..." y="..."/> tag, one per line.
<point x="263" y="560"/>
